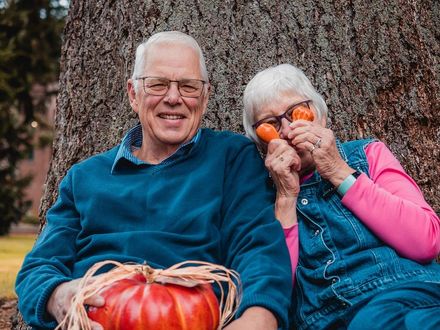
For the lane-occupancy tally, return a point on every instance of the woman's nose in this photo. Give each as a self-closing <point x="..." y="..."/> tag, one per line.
<point x="284" y="129"/>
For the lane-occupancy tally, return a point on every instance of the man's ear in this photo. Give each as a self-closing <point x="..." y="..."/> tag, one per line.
<point x="206" y="98"/>
<point x="131" y="91"/>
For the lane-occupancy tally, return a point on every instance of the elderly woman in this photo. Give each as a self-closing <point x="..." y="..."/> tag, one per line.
<point x="361" y="236"/>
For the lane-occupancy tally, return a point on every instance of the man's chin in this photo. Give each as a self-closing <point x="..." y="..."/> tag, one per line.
<point x="176" y="139"/>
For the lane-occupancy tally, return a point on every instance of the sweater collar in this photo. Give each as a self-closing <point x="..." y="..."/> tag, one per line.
<point x="133" y="139"/>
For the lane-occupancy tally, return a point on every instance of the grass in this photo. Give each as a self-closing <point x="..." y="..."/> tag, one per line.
<point x="13" y="248"/>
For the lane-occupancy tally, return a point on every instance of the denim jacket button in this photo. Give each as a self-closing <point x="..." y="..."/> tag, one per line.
<point x="304" y="201"/>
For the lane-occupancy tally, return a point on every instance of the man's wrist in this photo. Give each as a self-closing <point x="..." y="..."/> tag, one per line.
<point x="261" y="316"/>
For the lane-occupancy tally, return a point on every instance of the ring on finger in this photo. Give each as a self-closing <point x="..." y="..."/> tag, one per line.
<point x="316" y="145"/>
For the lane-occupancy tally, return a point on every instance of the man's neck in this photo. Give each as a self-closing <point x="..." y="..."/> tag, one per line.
<point x="154" y="155"/>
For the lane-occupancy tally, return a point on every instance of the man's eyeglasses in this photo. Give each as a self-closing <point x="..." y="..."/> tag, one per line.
<point x="159" y="86"/>
<point x="275" y="121"/>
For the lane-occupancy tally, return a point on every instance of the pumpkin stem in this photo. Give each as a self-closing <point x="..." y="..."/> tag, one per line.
<point x="149" y="274"/>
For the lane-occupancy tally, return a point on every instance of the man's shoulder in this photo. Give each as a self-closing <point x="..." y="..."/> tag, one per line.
<point x="226" y="138"/>
<point x="101" y="160"/>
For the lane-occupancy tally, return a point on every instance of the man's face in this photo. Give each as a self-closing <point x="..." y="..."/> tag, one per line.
<point x="169" y="120"/>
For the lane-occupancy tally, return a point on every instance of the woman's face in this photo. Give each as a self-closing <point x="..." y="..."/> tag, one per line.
<point x="278" y="107"/>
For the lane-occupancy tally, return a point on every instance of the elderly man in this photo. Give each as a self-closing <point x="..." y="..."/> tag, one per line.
<point x="169" y="192"/>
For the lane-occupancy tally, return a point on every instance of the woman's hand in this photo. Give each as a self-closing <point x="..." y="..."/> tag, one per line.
<point x="283" y="163"/>
<point x="61" y="298"/>
<point x="320" y="142"/>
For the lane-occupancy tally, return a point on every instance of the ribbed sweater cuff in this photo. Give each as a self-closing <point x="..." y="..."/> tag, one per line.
<point x="44" y="318"/>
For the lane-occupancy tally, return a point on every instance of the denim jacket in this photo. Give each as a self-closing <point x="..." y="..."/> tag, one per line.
<point x="341" y="262"/>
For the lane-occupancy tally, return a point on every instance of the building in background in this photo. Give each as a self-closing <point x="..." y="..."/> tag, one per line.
<point x="37" y="164"/>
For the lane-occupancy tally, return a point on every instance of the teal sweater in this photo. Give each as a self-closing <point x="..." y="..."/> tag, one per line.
<point x="210" y="201"/>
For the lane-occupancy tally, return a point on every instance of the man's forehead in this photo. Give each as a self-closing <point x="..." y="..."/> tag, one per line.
<point x="167" y="47"/>
<point x="177" y="58"/>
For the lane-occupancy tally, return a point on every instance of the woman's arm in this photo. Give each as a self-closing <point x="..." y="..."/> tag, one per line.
<point x="291" y="236"/>
<point x="283" y="163"/>
<point x="392" y="206"/>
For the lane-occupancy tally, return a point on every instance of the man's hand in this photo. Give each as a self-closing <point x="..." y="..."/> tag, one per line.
<point x="61" y="299"/>
<point x="254" y="318"/>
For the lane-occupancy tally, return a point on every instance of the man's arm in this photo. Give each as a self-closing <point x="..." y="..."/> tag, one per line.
<point x="48" y="264"/>
<point x="253" y="242"/>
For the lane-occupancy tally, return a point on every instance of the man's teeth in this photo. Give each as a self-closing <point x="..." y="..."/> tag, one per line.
<point x="172" y="117"/>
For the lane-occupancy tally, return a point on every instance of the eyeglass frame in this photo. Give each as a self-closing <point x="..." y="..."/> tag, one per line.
<point x="169" y="83"/>
<point x="279" y="118"/>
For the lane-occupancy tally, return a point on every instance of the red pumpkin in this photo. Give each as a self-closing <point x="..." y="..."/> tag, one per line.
<point x="132" y="304"/>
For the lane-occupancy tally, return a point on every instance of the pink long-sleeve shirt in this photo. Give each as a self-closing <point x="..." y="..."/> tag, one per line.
<point x="391" y="205"/>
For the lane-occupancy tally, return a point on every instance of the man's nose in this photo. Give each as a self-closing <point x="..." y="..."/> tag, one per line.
<point x="173" y="95"/>
<point x="285" y="128"/>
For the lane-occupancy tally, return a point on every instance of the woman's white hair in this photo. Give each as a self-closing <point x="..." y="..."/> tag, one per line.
<point x="270" y="84"/>
<point x="172" y="37"/>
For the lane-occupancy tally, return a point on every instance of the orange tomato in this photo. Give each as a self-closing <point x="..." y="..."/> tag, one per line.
<point x="303" y="113"/>
<point x="267" y="132"/>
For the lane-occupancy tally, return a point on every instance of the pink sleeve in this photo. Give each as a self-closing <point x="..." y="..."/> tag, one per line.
<point x="392" y="206"/>
<point x="291" y="235"/>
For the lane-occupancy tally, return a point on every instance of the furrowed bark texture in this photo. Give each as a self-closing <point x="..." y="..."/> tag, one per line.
<point x="375" y="62"/>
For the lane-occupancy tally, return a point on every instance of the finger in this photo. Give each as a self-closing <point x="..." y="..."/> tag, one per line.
<point x="95" y="300"/>
<point x="296" y="163"/>
<point x="300" y="122"/>
<point x="283" y="164"/>
<point x="305" y="145"/>
<point x="96" y="325"/>
<point x="276" y="148"/>
<point x="274" y="145"/>
<point x="301" y="126"/>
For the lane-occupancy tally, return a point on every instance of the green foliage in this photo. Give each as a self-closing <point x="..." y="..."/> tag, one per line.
<point x="30" y="42"/>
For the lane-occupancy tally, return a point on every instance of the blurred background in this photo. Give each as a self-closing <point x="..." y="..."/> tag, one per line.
<point x="30" y="41"/>
<point x="31" y="33"/>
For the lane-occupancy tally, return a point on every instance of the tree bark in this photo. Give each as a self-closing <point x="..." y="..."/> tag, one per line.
<point x="376" y="64"/>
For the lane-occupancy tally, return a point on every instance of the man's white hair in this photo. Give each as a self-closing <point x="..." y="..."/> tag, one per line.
<point x="174" y="37"/>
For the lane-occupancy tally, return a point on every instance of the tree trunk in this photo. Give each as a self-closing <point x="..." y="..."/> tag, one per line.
<point x="377" y="66"/>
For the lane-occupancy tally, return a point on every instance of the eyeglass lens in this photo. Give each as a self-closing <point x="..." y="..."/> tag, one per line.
<point x="160" y="86"/>
<point x="275" y="121"/>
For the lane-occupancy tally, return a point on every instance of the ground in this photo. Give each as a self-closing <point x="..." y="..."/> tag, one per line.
<point x="7" y="310"/>
<point x="8" y="305"/>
